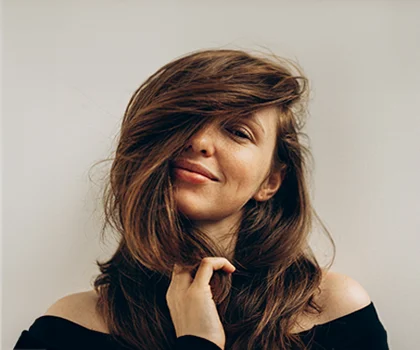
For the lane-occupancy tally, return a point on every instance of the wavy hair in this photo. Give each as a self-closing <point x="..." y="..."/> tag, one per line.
<point x="277" y="274"/>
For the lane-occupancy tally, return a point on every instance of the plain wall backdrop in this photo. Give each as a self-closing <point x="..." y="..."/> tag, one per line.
<point x="70" y="67"/>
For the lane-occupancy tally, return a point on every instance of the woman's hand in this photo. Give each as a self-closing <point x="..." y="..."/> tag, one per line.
<point x="191" y="303"/>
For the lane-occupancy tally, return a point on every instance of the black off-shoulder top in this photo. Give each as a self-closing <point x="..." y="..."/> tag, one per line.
<point x="358" y="330"/>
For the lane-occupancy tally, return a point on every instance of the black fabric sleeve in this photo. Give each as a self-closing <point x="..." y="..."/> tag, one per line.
<point x="192" y="342"/>
<point x="376" y="337"/>
<point x="187" y="342"/>
<point x="27" y="341"/>
<point x="371" y="333"/>
<point x="359" y="330"/>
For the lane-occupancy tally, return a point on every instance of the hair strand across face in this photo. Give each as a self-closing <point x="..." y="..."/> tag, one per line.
<point x="277" y="274"/>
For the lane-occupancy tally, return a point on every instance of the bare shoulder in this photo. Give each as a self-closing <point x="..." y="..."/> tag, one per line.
<point x="340" y="295"/>
<point x="344" y="295"/>
<point x="79" y="308"/>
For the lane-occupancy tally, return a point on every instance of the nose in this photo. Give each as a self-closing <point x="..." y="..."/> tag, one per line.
<point x="203" y="141"/>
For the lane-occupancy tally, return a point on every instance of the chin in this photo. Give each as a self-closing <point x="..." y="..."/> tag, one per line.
<point x="191" y="212"/>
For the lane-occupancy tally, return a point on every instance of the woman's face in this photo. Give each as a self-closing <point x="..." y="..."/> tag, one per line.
<point x="240" y="157"/>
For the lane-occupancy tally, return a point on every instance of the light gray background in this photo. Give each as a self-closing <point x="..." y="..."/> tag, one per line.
<point x="70" y="67"/>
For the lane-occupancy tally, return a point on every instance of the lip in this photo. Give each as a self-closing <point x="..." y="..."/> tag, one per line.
<point x="190" y="176"/>
<point x="196" y="168"/>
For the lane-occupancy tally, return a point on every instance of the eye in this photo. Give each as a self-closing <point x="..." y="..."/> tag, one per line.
<point x="239" y="133"/>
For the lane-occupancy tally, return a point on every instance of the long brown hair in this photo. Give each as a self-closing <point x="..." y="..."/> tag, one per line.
<point x="277" y="273"/>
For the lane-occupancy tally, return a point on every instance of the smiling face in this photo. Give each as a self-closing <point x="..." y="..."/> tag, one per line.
<point x="240" y="157"/>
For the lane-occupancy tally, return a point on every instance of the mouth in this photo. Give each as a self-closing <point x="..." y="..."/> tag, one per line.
<point x="194" y="167"/>
<point x="190" y="176"/>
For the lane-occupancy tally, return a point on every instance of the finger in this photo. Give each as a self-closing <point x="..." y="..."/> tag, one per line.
<point x="181" y="278"/>
<point x="208" y="266"/>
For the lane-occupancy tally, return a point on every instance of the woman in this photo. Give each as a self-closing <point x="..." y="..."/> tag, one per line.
<point x="209" y="194"/>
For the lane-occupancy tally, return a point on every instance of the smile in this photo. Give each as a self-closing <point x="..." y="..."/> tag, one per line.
<point x="190" y="176"/>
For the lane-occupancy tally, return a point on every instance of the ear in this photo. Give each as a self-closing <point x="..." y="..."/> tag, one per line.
<point x="269" y="187"/>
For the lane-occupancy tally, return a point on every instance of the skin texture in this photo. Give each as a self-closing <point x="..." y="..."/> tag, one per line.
<point x="240" y="157"/>
<point x="239" y="163"/>
<point x="340" y="295"/>
<point x="191" y="304"/>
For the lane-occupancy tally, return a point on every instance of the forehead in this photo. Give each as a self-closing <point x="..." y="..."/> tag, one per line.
<point x="266" y="116"/>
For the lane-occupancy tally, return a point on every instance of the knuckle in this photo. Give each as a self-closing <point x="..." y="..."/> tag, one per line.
<point x="169" y="293"/>
<point x="208" y="260"/>
<point x="169" y="298"/>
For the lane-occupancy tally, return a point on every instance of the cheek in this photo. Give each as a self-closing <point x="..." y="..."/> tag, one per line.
<point x="245" y="174"/>
<point x="245" y="183"/>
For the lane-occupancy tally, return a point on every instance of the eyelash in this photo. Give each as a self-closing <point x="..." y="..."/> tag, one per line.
<point x="239" y="130"/>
